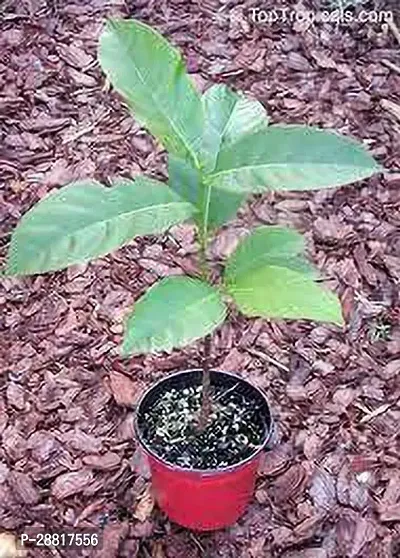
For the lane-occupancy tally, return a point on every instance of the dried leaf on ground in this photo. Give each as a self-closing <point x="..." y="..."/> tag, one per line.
<point x="71" y="483"/>
<point x="290" y="485"/>
<point x="322" y="490"/>
<point x="125" y="391"/>
<point x="23" y="488"/>
<point x="144" y="505"/>
<point x="113" y="535"/>
<point x="275" y="462"/>
<point x="103" y="462"/>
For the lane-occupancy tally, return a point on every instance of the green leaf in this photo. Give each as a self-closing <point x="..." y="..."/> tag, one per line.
<point x="291" y="158"/>
<point x="279" y="292"/>
<point x="229" y="117"/>
<point x="185" y="180"/>
<point x="269" y="276"/>
<point x="173" y="313"/>
<point x="85" y="220"/>
<point x="266" y="246"/>
<point x="144" y="67"/>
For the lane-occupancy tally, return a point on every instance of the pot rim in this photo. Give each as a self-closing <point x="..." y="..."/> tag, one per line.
<point x="180" y="468"/>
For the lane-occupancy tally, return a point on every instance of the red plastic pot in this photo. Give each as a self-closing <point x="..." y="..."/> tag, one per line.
<point x="203" y="499"/>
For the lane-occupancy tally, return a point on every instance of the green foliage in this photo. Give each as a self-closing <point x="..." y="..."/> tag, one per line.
<point x="229" y="117"/>
<point x="291" y="158"/>
<point x="281" y="292"/>
<point x="268" y="276"/>
<point x="187" y="181"/>
<point x="151" y="76"/>
<point x="221" y="149"/>
<point x="266" y="246"/>
<point x="85" y="220"/>
<point x="173" y="313"/>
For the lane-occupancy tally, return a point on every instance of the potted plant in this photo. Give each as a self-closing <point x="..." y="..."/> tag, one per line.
<point x="202" y="430"/>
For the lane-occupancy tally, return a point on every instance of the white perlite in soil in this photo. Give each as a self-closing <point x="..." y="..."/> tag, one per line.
<point x="235" y="430"/>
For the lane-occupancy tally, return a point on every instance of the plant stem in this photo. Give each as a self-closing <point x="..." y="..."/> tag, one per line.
<point x="204" y="269"/>
<point x="203" y="231"/>
<point x="205" y="408"/>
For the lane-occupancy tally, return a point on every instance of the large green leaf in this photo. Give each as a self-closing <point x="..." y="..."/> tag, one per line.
<point x="279" y="292"/>
<point x="291" y="158"/>
<point x="266" y="246"/>
<point x="186" y="181"/>
<point x="151" y="75"/>
<point x="173" y="313"/>
<point x="269" y="276"/>
<point x="229" y="117"/>
<point x="85" y="220"/>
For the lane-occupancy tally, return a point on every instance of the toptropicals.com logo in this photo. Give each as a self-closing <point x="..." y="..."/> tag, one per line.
<point x="338" y="16"/>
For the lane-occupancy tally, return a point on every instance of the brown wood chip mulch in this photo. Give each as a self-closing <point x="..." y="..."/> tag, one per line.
<point x="330" y="488"/>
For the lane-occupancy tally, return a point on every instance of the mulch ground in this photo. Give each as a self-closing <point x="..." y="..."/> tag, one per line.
<point x="330" y="487"/>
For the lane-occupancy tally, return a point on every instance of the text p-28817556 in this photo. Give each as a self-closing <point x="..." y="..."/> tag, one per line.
<point x="62" y="540"/>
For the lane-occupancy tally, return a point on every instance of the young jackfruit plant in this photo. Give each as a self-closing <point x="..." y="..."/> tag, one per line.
<point x="221" y="148"/>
